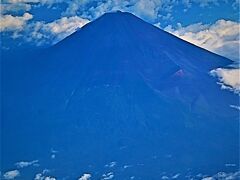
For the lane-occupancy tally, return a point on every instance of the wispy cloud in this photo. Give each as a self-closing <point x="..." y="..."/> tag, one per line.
<point x="222" y="37"/>
<point x="23" y="164"/>
<point x="57" y="30"/>
<point x="14" y="23"/>
<point x="41" y="33"/>
<point x="43" y="176"/>
<point x="43" y="2"/>
<point x="223" y="175"/>
<point x="237" y="108"/>
<point x="11" y="174"/>
<point x="151" y="9"/>
<point x="107" y="176"/>
<point x="85" y="177"/>
<point x="229" y="78"/>
<point x="14" y="7"/>
<point x="202" y="3"/>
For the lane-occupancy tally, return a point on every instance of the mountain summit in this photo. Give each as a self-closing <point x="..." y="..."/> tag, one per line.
<point x="120" y="90"/>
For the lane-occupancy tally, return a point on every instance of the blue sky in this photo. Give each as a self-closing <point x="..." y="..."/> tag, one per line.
<point x="211" y="24"/>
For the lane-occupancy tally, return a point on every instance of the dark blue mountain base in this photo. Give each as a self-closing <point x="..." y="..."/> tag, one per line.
<point x="121" y="90"/>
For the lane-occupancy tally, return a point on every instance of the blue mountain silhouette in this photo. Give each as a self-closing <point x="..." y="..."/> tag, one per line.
<point x="122" y="90"/>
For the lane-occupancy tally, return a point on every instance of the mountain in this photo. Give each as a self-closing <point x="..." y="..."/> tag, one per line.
<point x="119" y="96"/>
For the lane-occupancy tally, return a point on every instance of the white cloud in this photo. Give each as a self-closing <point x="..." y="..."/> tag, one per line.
<point x="74" y="6"/>
<point x="33" y="1"/>
<point x="66" y="25"/>
<point x="222" y="37"/>
<point x="39" y="32"/>
<point x="6" y="8"/>
<point x="208" y="178"/>
<point x="43" y="33"/>
<point x="14" y="23"/>
<point x="235" y="4"/>
<point x="176" y="176"/>
<point x="42" y="176"/>
<point x="127" y="166"/>
<point x="148" y="10"/>
<point x="39" y="176"/>
<point x="204" y="3"/>
<point x="229" y="77"/>
<point x="238" y="108"/>
<point x="85" y="177"/>
<point x="26" y="5"/>
<point x="59" y="28"/>
<point x="165" y="177"/>
<point x="230" y="164"/>
<point x="11" y="174"/>
<point x="49" y="178"/>
<point x="111" y="164"/>
<point x="53" y="151"/>
<point x="108" y="176"/>
<point x="223" y="175"/>
<point x="53" y="156"/>
<point x="23" y="164"/>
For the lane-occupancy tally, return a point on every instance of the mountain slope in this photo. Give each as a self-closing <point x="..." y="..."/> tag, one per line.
<point x="120" y="89"/>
